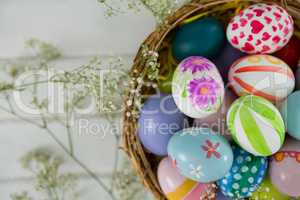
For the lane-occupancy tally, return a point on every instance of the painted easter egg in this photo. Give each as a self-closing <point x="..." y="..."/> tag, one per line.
<point x="217" y="121"/>
<point x="298" y="78"/>
<point x="194" y="39"/>
<point x="260" y="28"/>
<point x="285" y="168"/>
<point x="221" y="196"/>
<point x="246" y="174"/>
<point x="267" y="191"/>
<point x="197" y="87"/>
<point x="290" y="53"/>
<point x="262" y="75"/>
<point x="290" y="111"/>
<point x="198" y="153"/>
<point x="256" y="125"/>
<point x="177" y="187"/>
<point x="226" y="58"/>
<point x="159" y="119"/>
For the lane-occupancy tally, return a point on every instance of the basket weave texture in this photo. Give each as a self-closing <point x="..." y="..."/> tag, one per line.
<point x="144" y="162"/>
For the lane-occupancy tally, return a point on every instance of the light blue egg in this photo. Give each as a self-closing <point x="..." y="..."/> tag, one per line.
<point x="290" y="110"/>
<point x="245" y="176"/>
<point x="200" y="154"/>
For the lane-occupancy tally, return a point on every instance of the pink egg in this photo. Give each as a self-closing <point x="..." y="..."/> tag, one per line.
<point x="177" y="187"/>
<point x="261" y="28"/>
<point x="285" y="168"/>
<point x="217" y="121"/>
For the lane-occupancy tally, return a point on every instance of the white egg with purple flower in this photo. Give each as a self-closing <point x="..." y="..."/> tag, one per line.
<point x="197" y="87"/>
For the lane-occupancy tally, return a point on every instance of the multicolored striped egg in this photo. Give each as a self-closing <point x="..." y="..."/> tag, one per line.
<point x="177" y="187"/>
<point x="256" y="125"/>
<point x="245" y="176"/>
<point x="261" y="28"/>
<point x="197" y="87"/>
<point x="262" y="75"/>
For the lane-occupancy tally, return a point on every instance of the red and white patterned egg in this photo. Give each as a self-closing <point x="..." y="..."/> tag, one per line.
<point x="262" y="75"/>
<point x="260" y="28"/>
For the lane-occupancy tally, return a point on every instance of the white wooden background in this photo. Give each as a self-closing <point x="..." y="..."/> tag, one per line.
<point x="80" y="29"/>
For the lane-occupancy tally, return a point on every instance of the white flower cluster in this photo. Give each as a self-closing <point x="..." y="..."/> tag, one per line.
<point x="159" y="8"/>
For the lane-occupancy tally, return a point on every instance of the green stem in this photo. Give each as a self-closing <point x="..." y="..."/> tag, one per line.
<point x="70" y="139"/>
<point x="68" y="127"/>
<point x="30" y="84"/>
<point x="116" y="162"/>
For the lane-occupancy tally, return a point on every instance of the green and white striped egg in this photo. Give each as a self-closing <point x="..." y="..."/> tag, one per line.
<point x="256" y="125"/>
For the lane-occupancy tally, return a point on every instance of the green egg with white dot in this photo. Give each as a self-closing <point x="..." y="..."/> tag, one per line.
<point x="245" y="176"/>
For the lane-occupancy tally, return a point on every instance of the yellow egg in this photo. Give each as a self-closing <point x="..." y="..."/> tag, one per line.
<point x="267" y="191"/>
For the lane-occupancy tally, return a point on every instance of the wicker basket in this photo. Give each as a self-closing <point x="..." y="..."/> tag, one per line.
<point x="144" y="162"/>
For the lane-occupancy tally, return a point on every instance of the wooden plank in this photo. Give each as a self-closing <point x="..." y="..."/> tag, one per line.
<point x="87" y="188"/>
<point x="94" y="145"/>
<point x="78" y="27"/>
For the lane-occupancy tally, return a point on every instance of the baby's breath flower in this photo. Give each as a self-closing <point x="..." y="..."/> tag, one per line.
<point x="129" y="103"/>
<point x="21" y="196"/>
<point x="128" y="114"/>
<point x="6" y="86"/>
<point x="44" y="50"/>
<point x="128" y="185"/>
<point x="45" y="166"/>
<point x="159" y="8"/>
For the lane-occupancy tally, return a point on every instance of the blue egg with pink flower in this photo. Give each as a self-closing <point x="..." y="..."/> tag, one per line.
<point x="200" y="154"/>
<point x="197" y="87"/>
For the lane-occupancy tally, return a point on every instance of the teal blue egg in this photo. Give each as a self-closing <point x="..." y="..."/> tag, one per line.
<point x="200" y="154"/>
<point x="290" y="110"/>
<point x="245" y="176"/>
<point x="297" y="75"/>
<point x="203" y="37"/>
